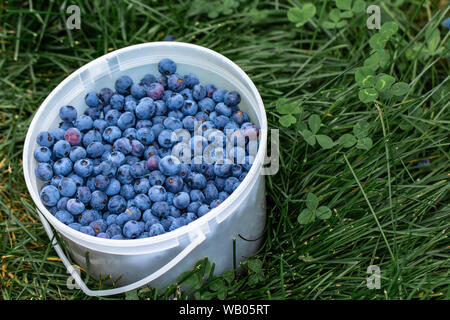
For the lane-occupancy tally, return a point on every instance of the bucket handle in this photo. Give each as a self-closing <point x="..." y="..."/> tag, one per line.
<point x="70" y="269"/>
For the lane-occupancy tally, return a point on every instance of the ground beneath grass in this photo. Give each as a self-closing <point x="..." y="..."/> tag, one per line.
<point x="389" y="199"/>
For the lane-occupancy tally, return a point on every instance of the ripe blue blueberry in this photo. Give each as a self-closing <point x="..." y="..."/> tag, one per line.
<point x="62" y="167"/>
<point x="123" y="84"/>
<point x="181" y="200"/>
<point x="50" y="195"/>
<point x="92" y="99"/>
<point x="145" y="109"/>
<point x="43" y="171"/>
<point x="67" y="187"/>
<point x="167" y="66"/>
<point x="64" y="216"/>
<point x="67" y="113"/>
<point x="75" y="206"/>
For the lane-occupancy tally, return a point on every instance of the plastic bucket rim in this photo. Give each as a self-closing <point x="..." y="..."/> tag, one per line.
<point x="184" y="230"/>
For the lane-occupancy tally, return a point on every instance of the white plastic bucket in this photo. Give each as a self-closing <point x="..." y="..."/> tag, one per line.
<point x="159" y="260"/>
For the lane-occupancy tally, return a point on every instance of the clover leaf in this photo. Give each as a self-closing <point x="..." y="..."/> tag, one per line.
<point x="313" y="211"/>
<point x="300" y="16"/>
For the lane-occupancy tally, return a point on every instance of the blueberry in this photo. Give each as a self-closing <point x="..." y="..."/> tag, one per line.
<point x="122" y="145"/>
<point x="193" y="206"/>
<point x="112" y="116"/>
<point x="207" y="105"/>
<point x="191" y="80"/>
<point x="231" y="184"/>
<point x="49" y="195"/>
<point x="139" y="169"/>
<point x="130" y="159"/>
<point x="189" y="217"/>
<point x="67" y="187"/>
<point x="130" y="133"/>
<point x="58" y="133"/>
<point x="111" y="134"/>
<point x="138" y="90"/>
<point x="210" y="192"/>
<point x="201" y="116"/>
<point x="114" y="230"/>
<point x="130" y="106"/>
<point x="240" y="117"/>
<point x="175" y="101"/>
<point x="155" y="91"/>
<point x="117" y="103"/>
<point x="147" y="216"/>
<point x="181" y="200"/>
<point x="153" y="162"/>
<point x="141" y="185"/>
<point x="103" y="235"/>
<point x="117" y="237"/>
<point x="162" y="80"/>
<point x="148" y="79"/>
<point x="189" y="123"/>
<point x="175" y="225"/>
<point x="174" y="184"/>
<point x="169" y="165"/>
<point x="93" y="113"/>
<point x="84" y="194"/>
<point x="83" y="167"/>
<point x="167" y="138"/>
<point x="172" y="123"/>
<point x="187" y="94"/>
<point x="218" y="95"/>
<point x="77" y="153"/>
<point x="116" y="204"/>
<point x="145" y="109"/>
<point x="196" y="181"/>
<point x="111" y="219"/>
<point x="157" y="193"/>
<point x="124" y="174"/>
<point x="131" y="229"/>
<point x="223" y="195"/>
<point x="197" y="195"/>
<point x="117" y="158"/>
<point x="75" y="226"/>
<point x="142" y="201"/>
<point x="145" y="135"/>
<point x="126" y="120"/>
<point x="95" y="149"/>
<point x="92" y="99"/>
<point x="189" y="108"/>
<point x="67" y="113"/>
<point x="175" y="82"/>
<point x="64" y="216"/>
<point x="231" y="98"/>
<point x="143" y="123"/>
<point x="66" y="125"/>
<point x="84" y="123"/>
<point x="202" y="210"/>
<point x="87" y="230"/>
<point x="99" y="200"/>
<point x="174" y="212"/>
<point x="123" y="84"/>
<point x="237" y="170"/>
<point x="223" y="110"/>
<point x="160" y="209"/>
<point x="198" y="92"/>
<point x="222" y="170"/>
<point x="108" y="168"/>
<point x="210" y="88"/>
<point x="99" y="226"/>
<point x="75" y="206"/>
<point x="242" y="176"/>
<point x="156" y="178"/>
<point x="167" y="66"/>
<point x="156" y="229"/>
<point x="101" y="182"/>
<point x="62" y="167"/>
<point x="160" y="108"/>
<point x="105" y="95"/>
<point x="79" y="181"/>
<point x="43" y="171"/>
<point x="61" y="149"/>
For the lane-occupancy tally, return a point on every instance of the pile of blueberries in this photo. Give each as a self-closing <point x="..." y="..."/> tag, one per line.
<point x="115" y="172"/>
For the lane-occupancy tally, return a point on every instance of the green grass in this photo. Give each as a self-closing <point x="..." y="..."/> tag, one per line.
<point x="387" y="210"/>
